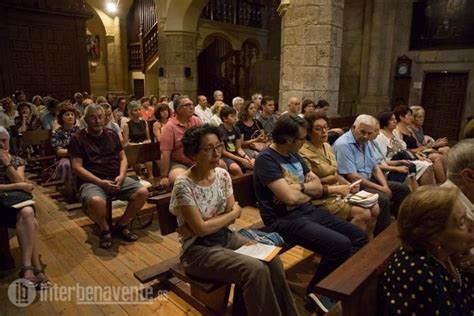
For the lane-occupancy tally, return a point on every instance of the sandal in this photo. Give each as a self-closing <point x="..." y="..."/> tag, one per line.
<point x="31" y="282"/>
<point x="126" y="233"/>
<point x="105" y="241"/>
<point x="43" y="281"/>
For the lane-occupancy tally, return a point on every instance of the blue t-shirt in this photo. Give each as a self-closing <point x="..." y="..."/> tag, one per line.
<point x="351" y="158"/>
<point x="230" y="138"/>
<point x="271" y="166"/>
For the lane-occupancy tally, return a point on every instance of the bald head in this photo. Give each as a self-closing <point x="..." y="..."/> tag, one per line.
<point x="294" y="105"/>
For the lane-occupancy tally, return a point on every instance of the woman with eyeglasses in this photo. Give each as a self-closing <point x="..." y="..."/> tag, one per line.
<point x="318" y="155"/>
<point x="204" y="203"/>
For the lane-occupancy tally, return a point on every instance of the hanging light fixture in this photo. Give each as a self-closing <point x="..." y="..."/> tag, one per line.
<point x="111" y="6"/>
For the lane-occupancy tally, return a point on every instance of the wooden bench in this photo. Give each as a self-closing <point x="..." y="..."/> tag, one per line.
<point x="354" y="283"/>
<point x="136" y="154"/>
<point x="6" y="260"/>
<point x="344" y="122"/>
<point x="210" y="298"/>
<point x="44" y="155"/>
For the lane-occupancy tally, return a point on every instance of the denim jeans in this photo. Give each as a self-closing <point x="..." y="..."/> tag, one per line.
<point x="317" y="230"/>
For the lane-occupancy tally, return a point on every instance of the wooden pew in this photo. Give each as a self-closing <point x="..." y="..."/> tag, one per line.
<point x="354" y="283"/>
<point x="6" y="259"/>
<point x="45" y="156"/>
<point x="210" y="298"/>
<point x="148" y="152"/>
<point x="344" y="122"/>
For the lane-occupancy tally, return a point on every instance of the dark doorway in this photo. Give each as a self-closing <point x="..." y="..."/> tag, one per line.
<point x="139" y="88"/>
<point x="444" y="96"/>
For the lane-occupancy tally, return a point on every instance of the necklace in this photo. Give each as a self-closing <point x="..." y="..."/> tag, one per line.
<point x="450" y="266"/>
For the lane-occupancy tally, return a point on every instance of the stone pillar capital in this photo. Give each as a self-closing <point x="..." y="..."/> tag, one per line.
<point x="283" y="7"/>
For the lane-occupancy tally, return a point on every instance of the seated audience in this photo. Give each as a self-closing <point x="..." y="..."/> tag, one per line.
<point x="237" y="103"/>
<point x="162" y="114"/>
<point x="404" y="117"/>
<point x="153" y="100"/>
<point x="100" y="164"/>
<point x="233" y="154"/>
<point x="12" y="177"/>
<point x="307" y="107"/>
<point x="284" y="188"/>
<point x="146" y="111"/>
<point x="255" y="138"/>
<point x="440" y="145"/>
<point x="202" y="110"/>
<point x="60" y="139"/>
<point x="135" y="132"/>
<point x="216" y="110"/>
<point x="26" y="120"/>
<point x="48" y="120"/>
<point x="394" y="150"/>
<point x="267" y="116"/>
<point x="318" y="156"/>
<point x="173" y="162"/>
<point x="204" y="203"/>
<point x="356" y="161"/>
<point x="8" y="113"/>
<point x="323" y="107"/>
<point x="422" y="278"/>
<point x="164" y="99"/>
<point x="293" y="106"/>
<point x="40" y="108"/>
<point x="468" y="131"/>
<point x="394" y="170"/>
<point x="120" y="111"/>
<point x="79" y="106"/>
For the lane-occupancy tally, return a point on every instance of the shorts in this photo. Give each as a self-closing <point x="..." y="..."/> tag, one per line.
<point x="89" y="190"/>
<point x="229" y="161"/>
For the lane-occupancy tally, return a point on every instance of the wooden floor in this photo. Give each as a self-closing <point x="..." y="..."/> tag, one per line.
<point x="68" y="248"/>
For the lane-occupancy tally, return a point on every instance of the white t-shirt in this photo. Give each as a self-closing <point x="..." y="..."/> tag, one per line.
<point x="210" y="200"/>
<point x="204" y="115"/>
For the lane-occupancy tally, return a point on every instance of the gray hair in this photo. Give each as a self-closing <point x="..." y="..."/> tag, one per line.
<point x="105" y="106"/>
<point x="216" y="92"/>
<point x="91" y="109"/>
<point x="132" y="106"/>
<point x="3" y="130"/>
<point x="237" y="100"/>
<point x="461" y="156"/>
<point x="365" y="119"/>
<point x="78" y="95"/>
<point x="255" y="96"/>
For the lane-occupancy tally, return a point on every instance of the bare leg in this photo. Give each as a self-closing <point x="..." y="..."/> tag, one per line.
<point x="235" y="170"/>
<point x="149" y="169"/>
<point x="136" y="202"/>
<point x="26" y="233"/>
<point x="427" y="178"/>
<point x="438" y="167"/>
<point x="173" y="174"/>
<point x="97" y="211"/>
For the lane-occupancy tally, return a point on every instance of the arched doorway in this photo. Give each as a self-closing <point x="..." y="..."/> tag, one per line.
<point x="218" y="69"/>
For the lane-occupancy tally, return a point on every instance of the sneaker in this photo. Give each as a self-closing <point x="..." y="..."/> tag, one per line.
<point x="322" y="303"/>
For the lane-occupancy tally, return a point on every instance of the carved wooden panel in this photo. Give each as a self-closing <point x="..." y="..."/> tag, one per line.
<point x="43" y="52"/>
<point x="444" y="97"/>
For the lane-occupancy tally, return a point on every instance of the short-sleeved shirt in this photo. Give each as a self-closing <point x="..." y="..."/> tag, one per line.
<point x="171" y="139"/>
<point x="210" y="200"/>
<point x="230" y="138"/>
<point x="99" y="154"/>
<point x="16" y="162"/>
<point x="62" y="137"/>
<point x="269" y="167"/>
<point x="268" y="123"/>
<point x="417" y="284"/>
<point x="204" y="114"/>
<point x="6" y="120"/>
<point x="249" y="131"/>
<point x="147" y="114"/>
<point x="351" y="158"/>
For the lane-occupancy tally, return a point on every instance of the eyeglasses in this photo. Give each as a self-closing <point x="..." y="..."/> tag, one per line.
<point x="320" y="128"/>
<point x="211" y="149"/>
<point x="187" y="105"/>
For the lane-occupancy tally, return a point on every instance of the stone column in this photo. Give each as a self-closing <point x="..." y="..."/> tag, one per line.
<point x="116" y="76"/>
<point x="178" y="51"/>
<point x="311" y="42"/>
<point x="376" y="61"/>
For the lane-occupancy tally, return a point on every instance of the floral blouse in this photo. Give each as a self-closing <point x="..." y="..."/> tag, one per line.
<point x="16" y="162"/>
<point x="210" y="200"/>
<point x="61" y="137"/>
<point x="415" y="283"/>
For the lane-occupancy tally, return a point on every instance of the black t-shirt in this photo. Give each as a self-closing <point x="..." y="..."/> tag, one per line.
<point x="271" y="166"/>
<point x="99" y="154"/>
<point x="249" y="131"/>
<point x="230" y="138"/>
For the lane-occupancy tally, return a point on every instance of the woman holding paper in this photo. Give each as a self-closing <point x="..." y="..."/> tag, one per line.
<point x="204" y="203"/>
<point x="12" y="178"/>
<point x="318" y="155"/>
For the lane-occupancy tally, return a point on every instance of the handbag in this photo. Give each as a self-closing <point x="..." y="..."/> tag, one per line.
<point x="14" y="197"/>
<point x="258" y="146"/>
<point x="272" y="239"/>
<point x="363" y="199"/>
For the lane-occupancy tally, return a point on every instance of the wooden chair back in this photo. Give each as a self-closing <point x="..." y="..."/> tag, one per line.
<point x="40" y="139"/>
<point x="148" y="152"/>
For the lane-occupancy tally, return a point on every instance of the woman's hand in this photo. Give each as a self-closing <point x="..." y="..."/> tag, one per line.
<point x="402" y="169"/>
<point x="236" y="210"/>
<point x="355" y="188"/>
<point x="441" y="142"/>
<point x="24" y="186"/>
<point x="342" y="189"/>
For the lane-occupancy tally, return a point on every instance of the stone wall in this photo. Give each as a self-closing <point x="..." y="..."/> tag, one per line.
<point x="98" y="67"/>
<point x="311" y="51"/>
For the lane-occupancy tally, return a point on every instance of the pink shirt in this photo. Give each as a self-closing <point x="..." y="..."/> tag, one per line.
<point x="147" y="114"/>
<point x="171" y="139"/>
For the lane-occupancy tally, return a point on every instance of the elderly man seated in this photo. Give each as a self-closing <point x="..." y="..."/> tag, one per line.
<point x="99" y="161"/>
<point x="356" y="161"/>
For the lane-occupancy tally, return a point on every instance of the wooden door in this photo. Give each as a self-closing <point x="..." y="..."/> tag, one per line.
<point x="139" y="88"/>
<point x="444" y="96"/>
